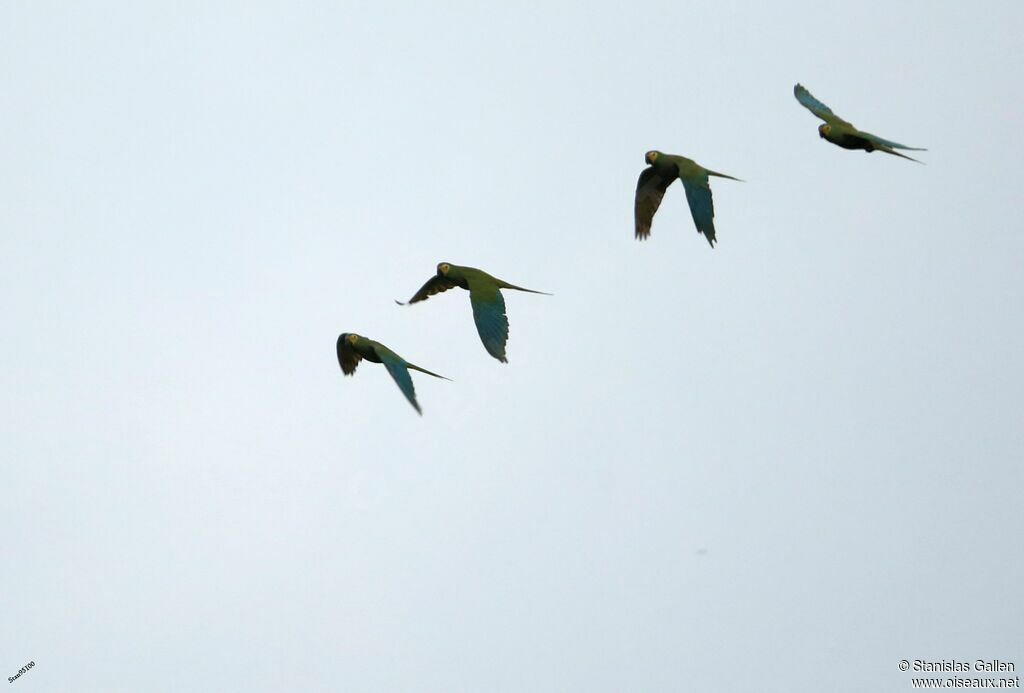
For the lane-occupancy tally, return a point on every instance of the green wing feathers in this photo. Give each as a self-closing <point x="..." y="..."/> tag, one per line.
<point x="650" y="189"/>
<point x="347" y="356"/>
<point x="434" y="285"/>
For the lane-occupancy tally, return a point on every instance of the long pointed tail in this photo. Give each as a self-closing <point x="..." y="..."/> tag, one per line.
<point x="888" y="150"/>
<point x="723" y="175"/>
<point x="506" y="285"/>
<point x="424" y="370"/>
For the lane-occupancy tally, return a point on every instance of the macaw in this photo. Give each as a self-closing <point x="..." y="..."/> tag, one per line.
<point x="842" y="133"/>
<point x="655" y="179"/>
<point x="485" y="297"/>
<point x="352" y="348"/>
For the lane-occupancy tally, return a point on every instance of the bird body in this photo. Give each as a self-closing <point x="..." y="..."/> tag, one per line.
<point x="842" y="133"/>
<point x="352" y="348"/>
<point x="654" y="181"/>
<point x="485" y="297"/>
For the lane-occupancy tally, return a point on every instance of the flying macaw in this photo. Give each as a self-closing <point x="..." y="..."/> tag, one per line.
<point x="352" y="348"/>
<point x="655" y="179"/>
<point x="485" y="297"/>
<point x="844" y="134"/>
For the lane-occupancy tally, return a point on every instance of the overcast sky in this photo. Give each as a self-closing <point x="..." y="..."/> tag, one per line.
<point x="784" y="464"/>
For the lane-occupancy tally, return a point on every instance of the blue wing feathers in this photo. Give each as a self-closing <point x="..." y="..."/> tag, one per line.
<point x="402" y="378"/>
<point x="812" y="104"/>
<point x="698" y="194"/>
<point x="491" y="321"/>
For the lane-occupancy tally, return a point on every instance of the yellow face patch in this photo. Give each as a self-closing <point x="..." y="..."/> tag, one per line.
<point x="825" y="129"/>
<point x="651" y="156"/>
<point x="443" y="268"/>
<point x="352" y="339"/>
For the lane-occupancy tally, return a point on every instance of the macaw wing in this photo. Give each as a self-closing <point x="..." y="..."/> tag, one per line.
<point x="397" y="368"/>
<point x="489" y="315"/>
<point x="698" y="194"/>
<point x="816" y="107"/>
<point x="347" y="356"/>
<point x="650" y="188"/>
<point x="434" y="285"/>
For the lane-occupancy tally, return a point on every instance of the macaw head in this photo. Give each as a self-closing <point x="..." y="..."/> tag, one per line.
<point x="442" y="269"/>
<point x="350" y="337"/>
<point x="824" y="129"/>
<point x="651" y="156"/>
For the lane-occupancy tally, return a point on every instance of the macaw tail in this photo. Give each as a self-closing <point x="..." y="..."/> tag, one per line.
<point x="722" y="175"/>
<point x="424" y="370"/>
<point x="506" y="285"/>
<point x="889" y="150"/>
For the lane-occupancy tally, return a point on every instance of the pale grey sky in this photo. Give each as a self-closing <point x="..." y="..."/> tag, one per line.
<point x="195" y="201"/>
